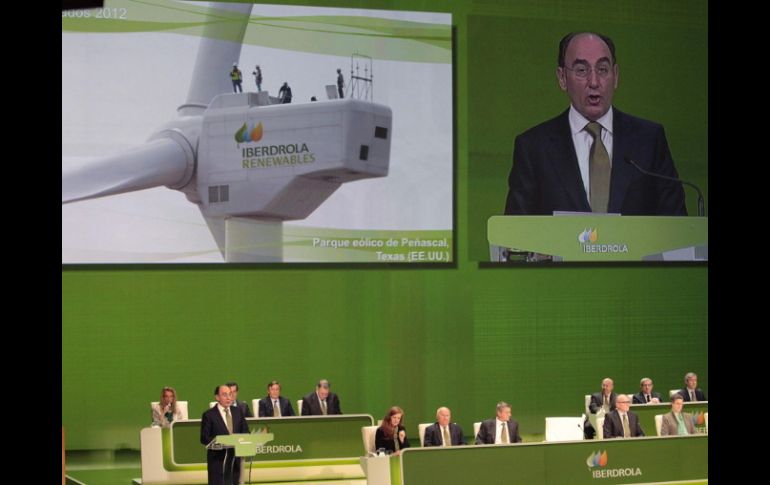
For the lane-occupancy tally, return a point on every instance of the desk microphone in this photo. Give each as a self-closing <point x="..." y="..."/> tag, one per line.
<point x="701" y="209"/>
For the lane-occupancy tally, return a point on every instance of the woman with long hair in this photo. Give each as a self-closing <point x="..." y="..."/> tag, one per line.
<point x="166" y="411"/>
<point x="391" y="435"/>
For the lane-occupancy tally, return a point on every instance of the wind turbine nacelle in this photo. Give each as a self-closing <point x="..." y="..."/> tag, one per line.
<point x="282" y="161"/>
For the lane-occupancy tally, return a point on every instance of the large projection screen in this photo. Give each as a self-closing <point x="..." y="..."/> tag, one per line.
<point x="662" y="54"/>
<point x="128" y="67"/>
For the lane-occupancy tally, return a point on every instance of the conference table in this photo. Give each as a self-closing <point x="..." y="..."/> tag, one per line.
<point x="659" y="460"/>
<point x="304" y="448"/>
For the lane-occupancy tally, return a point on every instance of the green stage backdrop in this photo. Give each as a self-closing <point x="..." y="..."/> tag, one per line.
<point x="462" y="336"/>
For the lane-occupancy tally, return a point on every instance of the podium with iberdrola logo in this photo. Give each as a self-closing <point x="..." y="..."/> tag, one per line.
<point x="242" y="444"/>
<point x="597" y="238"/>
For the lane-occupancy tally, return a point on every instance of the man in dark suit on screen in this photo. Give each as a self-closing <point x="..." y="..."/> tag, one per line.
<point x="443" y="432"/>
<point x="321" y="402"/>
<point x="577" y="161"/>
<point x="222" y="465"/>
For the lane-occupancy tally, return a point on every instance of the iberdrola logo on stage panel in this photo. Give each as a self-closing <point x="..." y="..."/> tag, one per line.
<point x="699" y="419"/>
<point x="249" y="133"/>
<point x="588" y="236"/>
<point x="597" y="459"/>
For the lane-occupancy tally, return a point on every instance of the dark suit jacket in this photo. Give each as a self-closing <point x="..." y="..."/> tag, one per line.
<point x="613" y="425"/>
<point x="597" y="399"/>
<point x="639" y="398"/>
<point x="213" y="425"/>
<point x="311" y="406"/>
<point x="699" y="395"/>
<point x="244" y="406"/>
<point x="433" y="435"/>
<point x="487" y="432"/>
<point x="266" y="406"/>
<point x="389" y="445"/>
<point x="546" y="177"/>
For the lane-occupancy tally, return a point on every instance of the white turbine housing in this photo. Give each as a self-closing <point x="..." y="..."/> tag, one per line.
<point x="282" y="161"/>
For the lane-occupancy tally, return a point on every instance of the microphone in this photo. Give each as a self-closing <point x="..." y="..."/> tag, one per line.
<point x="701" y="208"/>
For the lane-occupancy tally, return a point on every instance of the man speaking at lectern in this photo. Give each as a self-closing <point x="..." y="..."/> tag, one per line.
<point x="218" y="420"/>
<point x="577" y="161"/>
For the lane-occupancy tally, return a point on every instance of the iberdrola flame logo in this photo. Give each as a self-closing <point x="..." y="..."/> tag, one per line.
<point x="588" y="235"/>
<point x="247" y="133"/>
<point x="597" y="459"/>
<point x="699" y="419"/>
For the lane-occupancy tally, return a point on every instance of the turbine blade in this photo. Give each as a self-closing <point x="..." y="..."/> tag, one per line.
<point x="159" y="162"/>
<point x="216" y="56"/>
<point x="217" y="227"/>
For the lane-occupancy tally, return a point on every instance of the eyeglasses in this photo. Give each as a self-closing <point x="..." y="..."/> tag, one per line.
<point x="622" y="402"/>
<point x="602" y="70"/>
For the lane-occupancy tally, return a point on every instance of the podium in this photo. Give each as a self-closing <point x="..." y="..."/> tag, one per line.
<point x="241" y="444"/>
<point x="597" y="238"/>
<point x="244" y="444"/>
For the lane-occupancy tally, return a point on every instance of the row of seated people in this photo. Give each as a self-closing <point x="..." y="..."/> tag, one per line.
<point x="604" y="402"/>
<point x="390" y="436"/>
<point x="319" y="402"/>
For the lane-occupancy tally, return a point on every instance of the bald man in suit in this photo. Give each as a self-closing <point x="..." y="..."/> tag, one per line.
<point x="613" y="421"/>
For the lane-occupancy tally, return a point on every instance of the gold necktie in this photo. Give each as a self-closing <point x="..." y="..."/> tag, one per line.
<point x="598" y="170"/>
<point x="229" y="420"/>
<point x="504" y="438"/>
<point x="276" y="409"/>
<point x="626" y="430"/>
<point x="323" y="407"/>
<point x="447" y="439"/>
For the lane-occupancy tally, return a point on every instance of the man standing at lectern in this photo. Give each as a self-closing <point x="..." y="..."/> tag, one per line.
<point x="577" y="161"/>
<point x="222" y="419"/>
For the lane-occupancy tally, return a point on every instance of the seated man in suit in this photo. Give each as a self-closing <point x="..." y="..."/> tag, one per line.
<point x="646" y="395"/>
<point x="222" y="465"/>
<point x="442" y="432"/>
<point x="676" y="422"/>
<point x="500" y="429"/>
<point x="577" y="161"/>
<point x="601" y="403"/>
<point x="236" y="403"/>
<point x="604" y="400"/>
<point x="691" y="392"/>
<point x="274" y="404"/>
<point x="622" y="423"/>
<point x="321" y="401"/>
